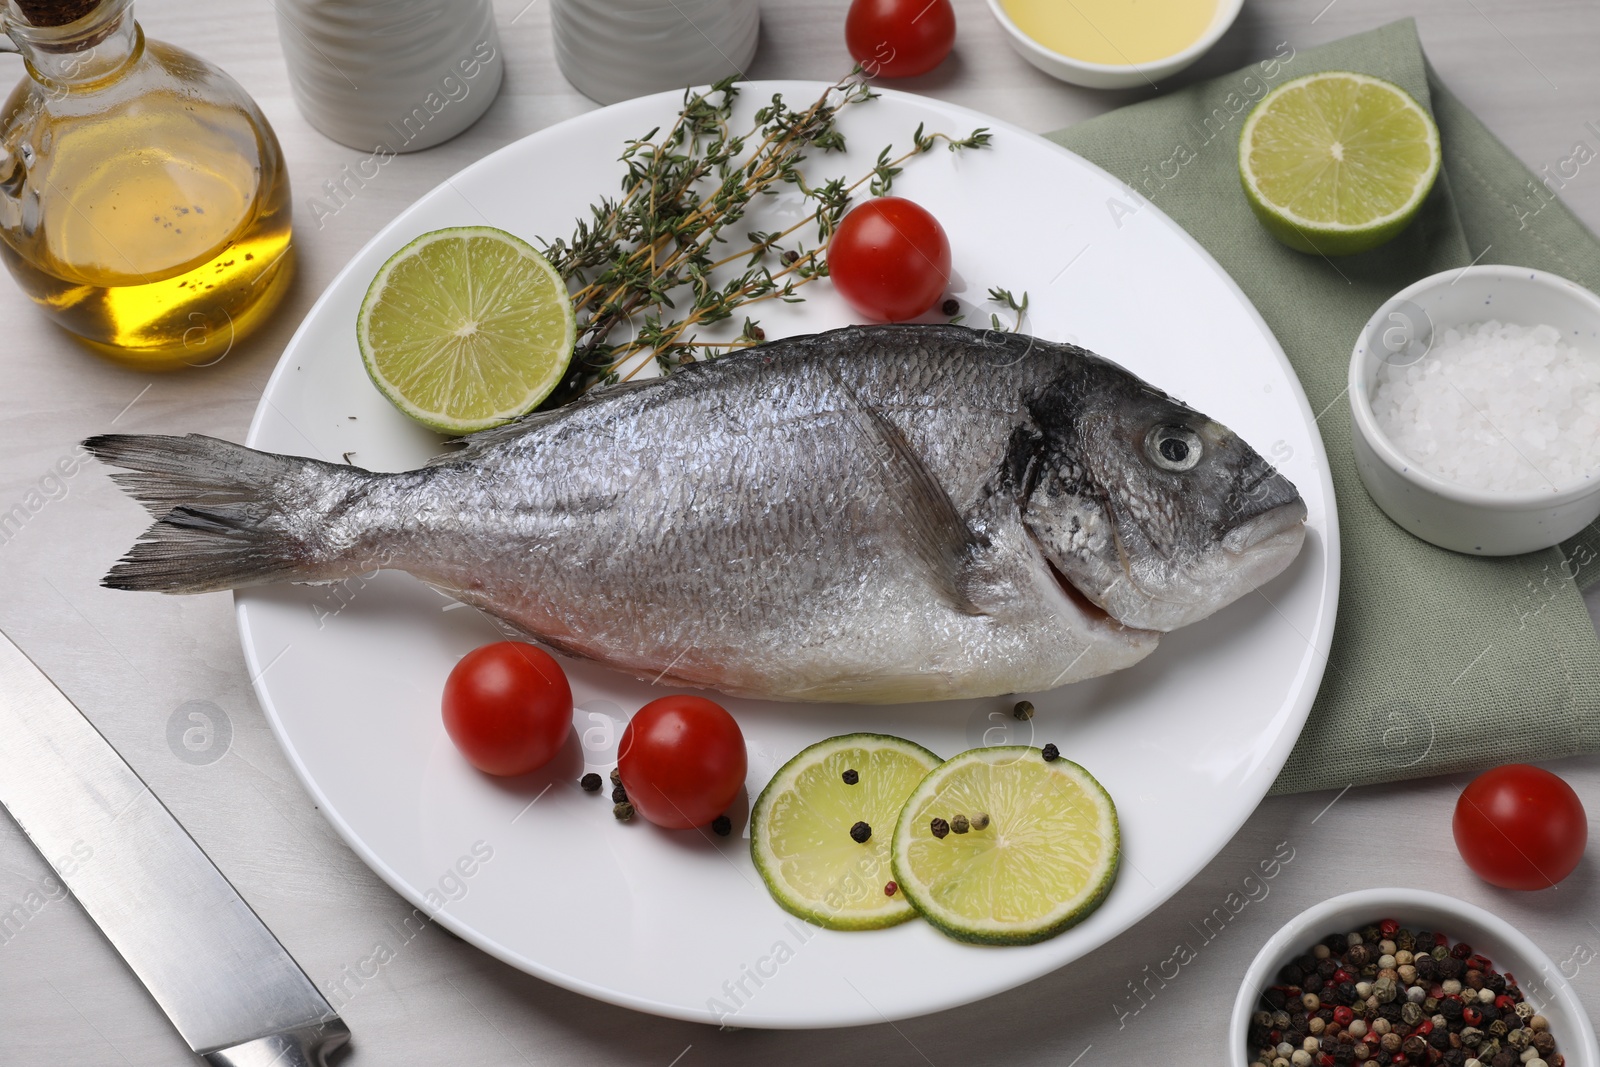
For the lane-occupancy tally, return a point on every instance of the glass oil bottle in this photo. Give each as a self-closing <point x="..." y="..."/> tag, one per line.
<point x="144" y="204"/>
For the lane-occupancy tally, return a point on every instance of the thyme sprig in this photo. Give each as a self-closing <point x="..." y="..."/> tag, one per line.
<point x="666" y="257"/>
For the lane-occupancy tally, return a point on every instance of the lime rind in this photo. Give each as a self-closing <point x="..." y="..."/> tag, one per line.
<point x="799" y="829"/>
<point x="466" y="328"/>
<point x="1046" y="861"/>
<point x="1306" y="198"/>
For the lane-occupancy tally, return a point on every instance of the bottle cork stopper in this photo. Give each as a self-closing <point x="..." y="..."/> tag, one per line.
<point x="55" y="12"/>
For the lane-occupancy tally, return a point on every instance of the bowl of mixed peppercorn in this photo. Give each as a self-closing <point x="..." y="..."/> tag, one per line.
<point x="1406" y="977"/>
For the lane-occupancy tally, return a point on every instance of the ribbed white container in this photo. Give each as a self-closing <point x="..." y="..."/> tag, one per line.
<point x="395" y="75"/>
<point x="613" y="50"/>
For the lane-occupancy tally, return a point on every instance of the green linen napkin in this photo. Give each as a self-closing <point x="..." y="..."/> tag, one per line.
<point x="1441" y="662"/>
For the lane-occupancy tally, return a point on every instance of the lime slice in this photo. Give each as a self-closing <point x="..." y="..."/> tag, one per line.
<point x="1337" y="162"/>
<point x="466" y="328"/>
<point x="1042" y="861"/>
<point x="800" y="829"/>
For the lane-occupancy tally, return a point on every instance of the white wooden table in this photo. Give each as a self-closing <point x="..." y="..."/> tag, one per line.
<point x="1526" y="66"/>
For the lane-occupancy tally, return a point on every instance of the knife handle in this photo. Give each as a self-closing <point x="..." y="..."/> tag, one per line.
<point x="306" y="1047"/>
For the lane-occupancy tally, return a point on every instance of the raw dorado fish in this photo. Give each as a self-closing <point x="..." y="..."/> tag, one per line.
<point x="875" y="514"/>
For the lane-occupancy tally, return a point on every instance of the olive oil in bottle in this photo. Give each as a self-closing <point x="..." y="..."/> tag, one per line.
<point x="144" y="205"/>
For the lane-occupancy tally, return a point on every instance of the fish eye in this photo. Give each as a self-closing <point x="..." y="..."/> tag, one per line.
<point x="1173" y="448"/>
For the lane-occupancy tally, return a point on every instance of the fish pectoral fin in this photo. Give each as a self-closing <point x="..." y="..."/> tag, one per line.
<point x="938" y="535"/>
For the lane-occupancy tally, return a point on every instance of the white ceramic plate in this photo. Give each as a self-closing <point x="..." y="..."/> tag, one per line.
<point x="1187" y="742"/>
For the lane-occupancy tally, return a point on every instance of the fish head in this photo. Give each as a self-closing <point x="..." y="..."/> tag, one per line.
<point x="1155" y="513"/>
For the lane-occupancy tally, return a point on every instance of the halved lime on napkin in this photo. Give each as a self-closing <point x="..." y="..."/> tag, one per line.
<point x="800" y="829"/>
<point x="466" y="328"/>
<point x="1337" y="162"/>
<point x="1039" y="852"/>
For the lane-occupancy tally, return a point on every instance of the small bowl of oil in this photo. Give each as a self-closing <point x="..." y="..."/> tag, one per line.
<point x="1114" y="44"/>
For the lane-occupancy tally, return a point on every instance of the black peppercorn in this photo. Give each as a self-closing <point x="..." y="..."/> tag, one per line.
<point x="1450" y="1008"/>
<point x="939" y="827"/>
<point x="1454" y="1057"/>
<point x="1439" y="1039"/>
<point x="1290" y="975"/>
<point x="860" y="832"/>
<point x="1050" y="753"/>
<point x="722" y="826"/>
<point x="1358" y="956"/>
<point x="1327" y="967"/>
<point x="790" y="256"/>
<point x="1495" y="983"/>
<point x="590" y="782"/>
<point x="951" y="306"/>
<point x="1312" y="983"/>
<point x="1276" y="998"/>
<point x="618" y="795"/>
<point x="850" y="777"/>
<point x="1450" y="967"/>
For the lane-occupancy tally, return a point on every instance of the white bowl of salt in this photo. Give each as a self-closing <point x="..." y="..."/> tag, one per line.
<point x="1475" y="399"/>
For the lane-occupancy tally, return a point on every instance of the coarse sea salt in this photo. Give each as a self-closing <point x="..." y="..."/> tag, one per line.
<point x="1497" y="406"/>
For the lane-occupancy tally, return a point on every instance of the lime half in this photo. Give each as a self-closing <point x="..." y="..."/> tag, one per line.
<point x="800" y="829"/>
<point x="466" y="328"/>
<point x="1337" y="162"/>
<point x="1039" y="854"/>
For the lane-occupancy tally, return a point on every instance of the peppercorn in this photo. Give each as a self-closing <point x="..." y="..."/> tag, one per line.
<point x="951" y="306"/>
<point x="860" y="832"/>
<point x="1504" y="1059"/>
<point x="1450" y="967"/>
<point x="622" y="810"/>
<point x="1358" y="955"/>
<point x="616" y="776"/>
<point x="1495" y="983"/>
<point x="1312" y="983"/>
<point x="756" y="333"/>
<point x="1023" y="710"/>
<point x="590" y="782"/>
<point x="789" y="257"/>
<point x="1427" y="967"/>
<point x="618" y="795"/>
<point x="980" y="821"/>
<point x="1311" y="1001"/>
<point x="1439" y="1039"/>
<point x="850" y="777"/>
<point x="1544" y="1041"/>
<point x="939" y="827"/>
<point x="1415" y="1046"/>
<point x="722" y="826"/>
<point x="1461" y="950"/>
<point x="1390" y="1042"/>
<point x="1050" y="753"/>
<point x="1454" y="1057"/>
<point x="1328" y="968"/>
<point x="1450" y="1009"/>
<point x="960" y="824"/>
<point x="890" y="888"/>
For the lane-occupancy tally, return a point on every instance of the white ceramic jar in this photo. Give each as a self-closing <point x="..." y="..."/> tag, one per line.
<point x="391" y="75"/>
<point x="613" y="50"/>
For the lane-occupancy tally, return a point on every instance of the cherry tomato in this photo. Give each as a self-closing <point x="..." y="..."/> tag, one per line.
<point x="508" y="707"/>
<point x="899" y="38"/>
<point x="889" y="259"/>
<point x="1520" y="827"/>
<point x="682" y="761"/>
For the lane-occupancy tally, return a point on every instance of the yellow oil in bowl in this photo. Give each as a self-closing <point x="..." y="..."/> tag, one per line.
<point x="1114" y="32"/>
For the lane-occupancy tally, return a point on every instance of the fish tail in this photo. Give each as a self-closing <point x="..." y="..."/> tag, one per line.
<point x="227" y="516"/>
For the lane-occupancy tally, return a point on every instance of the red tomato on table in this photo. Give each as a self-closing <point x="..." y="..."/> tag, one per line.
<point x="899" y="38"/>
<point x="508" y="707"/>
<point x="682" y="761"/>
<point x="889" y="259"/>
<point x="1520" y="827"/>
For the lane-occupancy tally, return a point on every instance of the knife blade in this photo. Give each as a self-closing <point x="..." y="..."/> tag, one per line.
<point x="223" y="980"/>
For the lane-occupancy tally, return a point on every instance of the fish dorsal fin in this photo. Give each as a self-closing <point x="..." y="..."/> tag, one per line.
<point x="939" y="536"/>
<point x="476" y="443"/>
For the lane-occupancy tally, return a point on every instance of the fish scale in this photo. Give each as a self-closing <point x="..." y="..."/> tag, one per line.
<point x="874" y="514"/>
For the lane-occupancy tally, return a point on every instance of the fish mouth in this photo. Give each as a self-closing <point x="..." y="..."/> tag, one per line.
<point x="1286" y="521"/>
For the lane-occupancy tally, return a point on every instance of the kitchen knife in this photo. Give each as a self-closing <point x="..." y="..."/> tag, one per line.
<point x="231" y="990"/>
